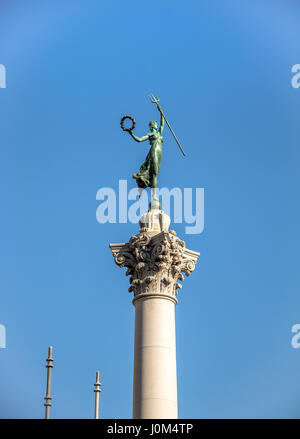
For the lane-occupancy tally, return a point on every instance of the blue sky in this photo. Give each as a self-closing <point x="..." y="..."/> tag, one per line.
<point x="223" y="73"/>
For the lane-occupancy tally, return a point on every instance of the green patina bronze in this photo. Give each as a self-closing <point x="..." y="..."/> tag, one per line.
<point x="148" y="173"/>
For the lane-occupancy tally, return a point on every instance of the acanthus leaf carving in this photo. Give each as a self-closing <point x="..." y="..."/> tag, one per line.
<point x="155" y="263"/>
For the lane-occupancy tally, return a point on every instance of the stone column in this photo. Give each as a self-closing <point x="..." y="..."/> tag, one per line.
<point x="155" y="260"/>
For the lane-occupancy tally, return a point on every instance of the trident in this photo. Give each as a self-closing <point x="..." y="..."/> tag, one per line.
<point x="155" y="100"/>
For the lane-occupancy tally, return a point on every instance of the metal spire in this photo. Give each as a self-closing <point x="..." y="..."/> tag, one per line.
<point x="97" y="391"/>
<point x="48" y="398"/>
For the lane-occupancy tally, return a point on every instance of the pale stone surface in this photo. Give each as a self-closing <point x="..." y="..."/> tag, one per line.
<point x="155" y="260"/>
<point x="154" y="221"/>
<point x="155" y="382"/>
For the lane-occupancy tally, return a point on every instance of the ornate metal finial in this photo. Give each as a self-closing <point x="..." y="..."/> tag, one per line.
<point x="97" y="391"/>
<point x="48" y="398"/>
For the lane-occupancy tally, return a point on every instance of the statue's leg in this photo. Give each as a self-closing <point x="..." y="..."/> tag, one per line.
<point x="154" y="170"/>
<point x="142" y="177"/>
<point x="153" y="186"/>
<point x="153" y="175"/>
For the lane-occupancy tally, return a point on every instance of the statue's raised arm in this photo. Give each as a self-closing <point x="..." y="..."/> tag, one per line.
<point x="162" y="119"/>
<point x="139" y="139"/>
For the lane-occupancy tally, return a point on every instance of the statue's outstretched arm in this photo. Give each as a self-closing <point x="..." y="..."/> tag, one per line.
<point x="162" y="119"/>
<point x="139" y="139"/>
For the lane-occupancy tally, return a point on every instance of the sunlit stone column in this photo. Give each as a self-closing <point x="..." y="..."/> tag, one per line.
<point x="155" y="260"/>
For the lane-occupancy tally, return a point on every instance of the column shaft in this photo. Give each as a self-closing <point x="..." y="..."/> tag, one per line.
<point x="155" y="378"/>
<point x="156" y="259"/>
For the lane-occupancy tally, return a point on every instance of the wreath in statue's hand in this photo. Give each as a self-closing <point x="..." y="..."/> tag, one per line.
<point x="122" y="123"/>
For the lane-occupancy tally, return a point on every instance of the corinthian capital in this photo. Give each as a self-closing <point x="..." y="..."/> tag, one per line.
<point x="155" y="260"/>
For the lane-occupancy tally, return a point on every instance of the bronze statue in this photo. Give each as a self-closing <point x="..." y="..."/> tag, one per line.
<point x="148" y="173"/>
